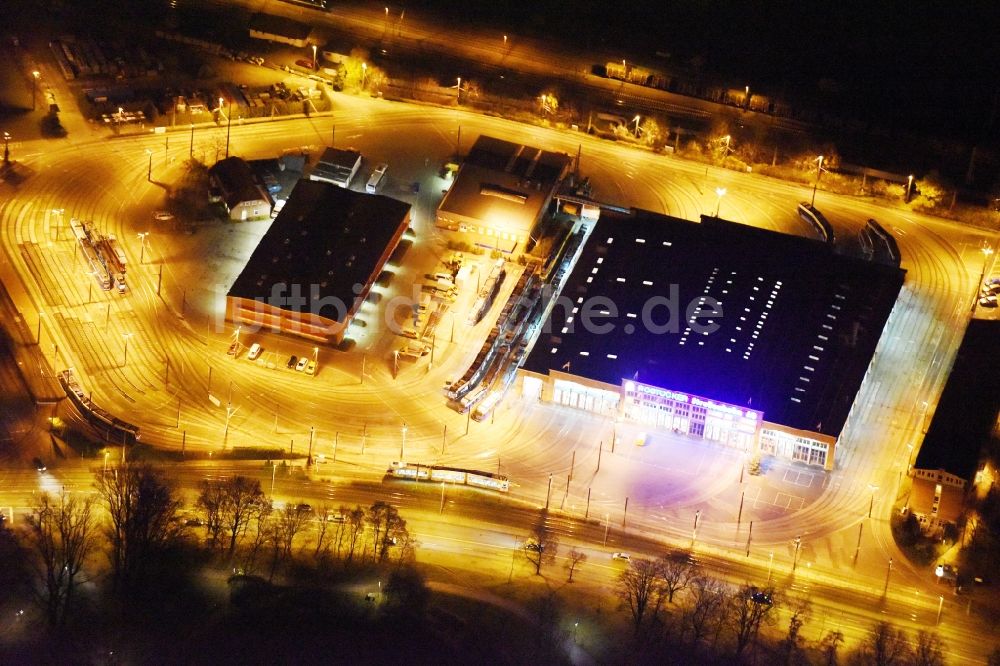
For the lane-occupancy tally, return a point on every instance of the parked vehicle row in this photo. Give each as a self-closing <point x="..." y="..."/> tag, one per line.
<point x="296" y="363"/>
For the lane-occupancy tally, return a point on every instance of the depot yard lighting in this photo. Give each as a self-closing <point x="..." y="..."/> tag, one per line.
<point x="142" y="242"/>
<point x="34" y="82"/>
<point x="719" y="192"/>
<point x="819" y="172"/>
<point x="126" y="336"/>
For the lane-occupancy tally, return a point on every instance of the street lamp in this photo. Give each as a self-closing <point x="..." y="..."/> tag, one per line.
<point x="149" y="171"/>
<point x="34" y="82"/>
<point x="819" y="171"/>
<point x="636" y="121"/>
<point x="364" y="74"/>
<point x="458" y="88"/>
<point x="871" y="504"/>
<point x="142" y="243"/>
<point x="720" y="192"/>
<point x="402" y="443"/>
<point x="314" y="57"/>
<point x="795" y="555"/>
<point x="909" y="188"/>
<point x="6" y="147"/>
<point x="126" y="336"/>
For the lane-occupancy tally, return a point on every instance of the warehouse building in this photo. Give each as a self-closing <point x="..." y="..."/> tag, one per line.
<point x="741" y="336"/>
<point x="501" y="190"/>
<point x="318" y="262"/>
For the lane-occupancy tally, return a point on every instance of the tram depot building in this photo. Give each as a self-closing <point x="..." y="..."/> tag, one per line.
<point x="773" y="368"/>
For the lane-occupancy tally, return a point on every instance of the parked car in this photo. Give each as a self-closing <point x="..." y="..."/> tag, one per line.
<point x="301" y="365"/>
<point x="311" y="368"/>
<point x="946" y="572"/>
<point x="988" y="301"/>
<point x="625" y="557"/>
<point x="254" y="353"/>
<point x="292" y="360"/>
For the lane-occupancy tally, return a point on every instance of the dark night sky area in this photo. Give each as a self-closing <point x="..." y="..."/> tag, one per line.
<point x="927" y="65"/>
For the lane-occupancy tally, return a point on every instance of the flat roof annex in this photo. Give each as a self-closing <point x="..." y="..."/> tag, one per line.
<point x="503" y="183"/>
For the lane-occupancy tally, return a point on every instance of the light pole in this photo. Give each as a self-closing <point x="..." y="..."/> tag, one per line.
<point x="402" y="442"/>
<point x="6" y="147"/>
<point x="909" y="188"/>
<point x="316" y="356"/>
<point x="795" y="555"/>
<point x="719" y="192"/>
<point x="871" y="504"/>
<point x="149" y="170"/>
<point x="314" y="57"/>
<point x="940" y="606"/>
<point x="770" y="564"/>
<point x="38" y="333"/>
<point x="819" y="172"/>
<point x="126" y="336"/>
<point x="364" y="73"/>
<point x="636" y="121"/>
<point x="105" y="470"/>
<point x="34" y="83"/>
<point x="458" y="93"/>
<point x="142" y="244"/>
<point x="888" y="572"/>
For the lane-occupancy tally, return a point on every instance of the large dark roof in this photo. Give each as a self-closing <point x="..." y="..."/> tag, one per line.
<point x="969" y="405"/>
<point x="798" y="328"/>
<point x="326" y="236"/>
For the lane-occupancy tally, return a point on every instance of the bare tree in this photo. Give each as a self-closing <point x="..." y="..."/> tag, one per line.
<point x="929" y="649"/>
<point x="324" y="517"/>
<point x="231" y="504"/>
<point x="291" y="520"/>
<point x="884" y="646"/>
<point x="262" y="531"/>
<point x="212" y="499"/>
<point x="829" y="646"/>
<point x="574" y="558"/>
<point x="705" y="612"/>
<point x="385" y="522"/>
<point x="354" y="528"/>
<point x="61" y="536"/>
<point x="142" y="509"/>
<point x="542" y="544"/>
<point x="407" y="546"/>
<point x="746" y="611"/>
<point x="799" y="611"/>
<point x="641" y="590"/>
<point x="677" y="572"/>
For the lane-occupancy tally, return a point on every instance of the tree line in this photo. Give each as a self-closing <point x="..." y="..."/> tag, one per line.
<point x="135" y="518"/>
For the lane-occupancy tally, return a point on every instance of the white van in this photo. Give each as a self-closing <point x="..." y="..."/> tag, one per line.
<point x="376" y="180"/>
<point x="255" y="350"/>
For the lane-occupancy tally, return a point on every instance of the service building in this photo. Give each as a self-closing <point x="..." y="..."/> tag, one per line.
<point x="318" y="262"/>
<point x="501" y="190"/>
